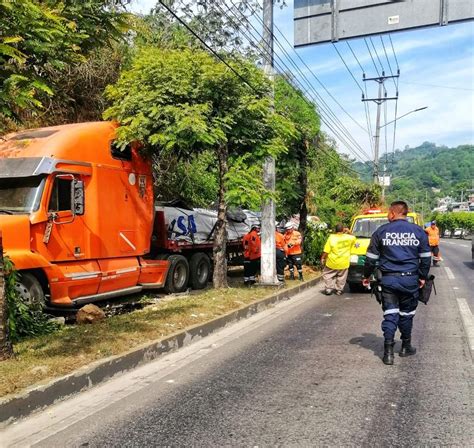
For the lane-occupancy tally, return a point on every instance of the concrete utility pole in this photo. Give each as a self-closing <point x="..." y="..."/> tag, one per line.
<point x="379" y="101"/>
<point x="268" y="260"/>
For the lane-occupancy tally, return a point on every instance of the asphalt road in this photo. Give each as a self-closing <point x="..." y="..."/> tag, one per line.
<point x="305" y="373"/>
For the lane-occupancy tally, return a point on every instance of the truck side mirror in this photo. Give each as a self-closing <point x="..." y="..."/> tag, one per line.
<point x="78" y="197"/>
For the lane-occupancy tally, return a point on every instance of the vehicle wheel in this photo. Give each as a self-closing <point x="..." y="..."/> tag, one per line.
<point x="29" y="291"/>
<point x="199" y="270"/>
<point x="178" y="274"/>
<point x="355" y="287"/>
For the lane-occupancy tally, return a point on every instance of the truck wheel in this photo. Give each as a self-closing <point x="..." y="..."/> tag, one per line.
<point x="178" y="274"/>
<point x="29" y="291"/>
<point x="200" y="269"/>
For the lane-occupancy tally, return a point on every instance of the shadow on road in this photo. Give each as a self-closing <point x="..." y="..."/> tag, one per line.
<point x="469" y="264"/>
<point x="370" y="342"/>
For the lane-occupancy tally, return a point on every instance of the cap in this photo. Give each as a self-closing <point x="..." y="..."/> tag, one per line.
<point x="289" y="225"/>
<point x="433" y="222"/>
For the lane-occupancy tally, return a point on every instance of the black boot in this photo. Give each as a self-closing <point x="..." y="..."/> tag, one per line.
<point x="300" y="276"/>
<point x="407" y="349"/>
<point x="388" y="352"/>
<point x="292" y="275"/>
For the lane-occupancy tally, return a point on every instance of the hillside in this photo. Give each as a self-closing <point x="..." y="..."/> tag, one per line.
<point x="427" y="172"/>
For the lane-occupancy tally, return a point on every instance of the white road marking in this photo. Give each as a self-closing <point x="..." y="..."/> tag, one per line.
<point x="449" y="273"/>
<point x="468" y="322"/>
<point x="455" y="288"/>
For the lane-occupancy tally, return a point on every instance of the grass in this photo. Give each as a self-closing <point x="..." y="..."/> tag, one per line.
<point x="40" y="359"/>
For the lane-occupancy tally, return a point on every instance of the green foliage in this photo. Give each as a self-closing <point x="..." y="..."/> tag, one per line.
<point x="182" y="103"/>
<point x="452" y="221"/>
<point x="314" y="240"/>
<point x="41" y="39"/>
<point x="23" y="321"/>
<point x="417" y="171"/>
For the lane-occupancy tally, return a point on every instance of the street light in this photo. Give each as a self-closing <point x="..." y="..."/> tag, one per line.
<point x="404" y="115"/>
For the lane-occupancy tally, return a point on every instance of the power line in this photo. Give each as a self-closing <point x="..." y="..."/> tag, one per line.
<point x="377" y="54"/>
<point x="322" y="104"/>
<point x="388" y="60"/>
<point x="371" y="57"/>
<point x="394" y="54"/>
<point x="356" y="58"/>
<point x="208" y="47"/>
<point x="348" y="69"/>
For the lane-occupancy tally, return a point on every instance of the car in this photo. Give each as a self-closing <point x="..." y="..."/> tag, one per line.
<point x="362" y="227"/>
<point x="458" y="233"/>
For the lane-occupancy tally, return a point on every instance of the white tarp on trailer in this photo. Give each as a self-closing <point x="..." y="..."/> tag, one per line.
<point x="197" y="225"/>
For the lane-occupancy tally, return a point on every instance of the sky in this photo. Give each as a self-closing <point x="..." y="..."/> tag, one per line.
<point x="436" y="71"/>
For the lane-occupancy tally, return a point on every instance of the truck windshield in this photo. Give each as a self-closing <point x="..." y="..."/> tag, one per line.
<point x="20" y="195"/>
<point x="365" y="227"/>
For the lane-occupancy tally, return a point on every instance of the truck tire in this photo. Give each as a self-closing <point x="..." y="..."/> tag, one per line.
<point x="199" y="270"/>
<point x="29" y="291"/>
<point x="178" y="274"/>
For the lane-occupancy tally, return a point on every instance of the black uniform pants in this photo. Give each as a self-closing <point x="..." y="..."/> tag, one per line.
<point x="280" y="264"/>
<point x="295" y="260"/>
<point x="399" y="302"/>
<point x="251" y="268"/>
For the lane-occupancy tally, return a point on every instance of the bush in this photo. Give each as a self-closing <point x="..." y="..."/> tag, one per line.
<point x="452" y="221"/>
<point x="23" y="321"/>
<point x="314" y="240"/>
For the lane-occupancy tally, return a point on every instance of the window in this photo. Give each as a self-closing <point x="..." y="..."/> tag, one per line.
<point x="61" y="197"/>
<point x="20" y="195"/>
<point x="121" y="153"/>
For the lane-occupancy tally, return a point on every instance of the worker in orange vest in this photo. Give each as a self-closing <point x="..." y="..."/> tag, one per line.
<point x="293" y="241"/>
<point x="252" y="252"/>
<point x="281" y="254"/>
<point x="433" y="240"/>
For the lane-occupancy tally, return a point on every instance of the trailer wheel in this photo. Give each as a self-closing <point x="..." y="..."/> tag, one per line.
<point x="178" y="274"/>
<point x="29" y="291"/>
<point x="200" y="269"/>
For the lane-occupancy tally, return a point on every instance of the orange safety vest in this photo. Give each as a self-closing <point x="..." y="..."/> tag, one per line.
<point x="433" y="235"/>
<point x="293" y="239"/>
<point x="252" y="245"/>
<point x="280" y="242"/>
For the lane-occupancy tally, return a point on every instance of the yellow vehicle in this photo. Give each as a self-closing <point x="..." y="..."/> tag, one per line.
<point x="362" y="227"/>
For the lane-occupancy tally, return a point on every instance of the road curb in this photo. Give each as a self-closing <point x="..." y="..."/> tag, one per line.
<point x="39" y="397"/>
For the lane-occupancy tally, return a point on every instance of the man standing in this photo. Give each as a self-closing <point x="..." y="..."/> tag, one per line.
<point x="433" y="239"/>
<point x="252" y="252"/>
<point x="281" y="254"/>
<point x="293" y="242"/>
<point x="336" y="259"/>
<point x="403" y="254"/>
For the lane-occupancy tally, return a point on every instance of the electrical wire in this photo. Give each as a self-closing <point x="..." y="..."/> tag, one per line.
<point x="209" y="48"/>
<point x="322" y="104"/>
<point x="377" y="55"/>
<point x="371" y="57"/>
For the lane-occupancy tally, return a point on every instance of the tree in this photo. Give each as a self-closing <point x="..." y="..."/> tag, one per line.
<point x="184" y="103"/>
<point x="292" y="167"/>
<point x="39" y="40"/>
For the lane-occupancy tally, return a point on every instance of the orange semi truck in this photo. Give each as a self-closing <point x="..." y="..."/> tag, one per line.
<point x="78" y="219"/>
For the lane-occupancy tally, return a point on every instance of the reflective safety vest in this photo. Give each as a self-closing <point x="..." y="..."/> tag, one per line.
<point x="293" y="241"/>
<point x="280" y="242"/>
<point x="252" y="245"/>
<point x="433" y="235"/>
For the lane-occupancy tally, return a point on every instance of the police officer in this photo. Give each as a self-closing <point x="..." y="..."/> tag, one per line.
<point x="403" y="255"/>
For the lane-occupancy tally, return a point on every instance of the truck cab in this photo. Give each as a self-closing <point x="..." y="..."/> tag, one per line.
<point x="76" y="215"/>
<point x="362" y="227"/>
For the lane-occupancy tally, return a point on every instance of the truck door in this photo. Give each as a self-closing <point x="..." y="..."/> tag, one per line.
<point x="65" y="229"/>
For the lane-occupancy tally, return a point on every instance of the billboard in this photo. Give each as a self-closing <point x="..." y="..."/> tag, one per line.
<point x="318" y="21"/>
